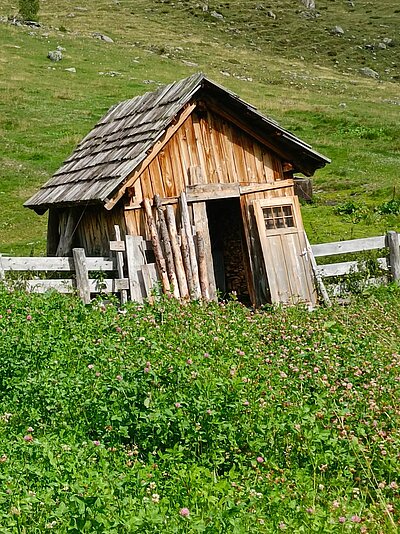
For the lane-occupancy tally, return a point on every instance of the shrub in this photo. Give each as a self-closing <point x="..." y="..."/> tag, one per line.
<point x="391" y="207"/>
<point x="29" y="9"/>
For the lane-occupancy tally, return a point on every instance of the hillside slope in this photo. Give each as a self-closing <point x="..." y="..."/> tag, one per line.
<point x="284" y="58"/>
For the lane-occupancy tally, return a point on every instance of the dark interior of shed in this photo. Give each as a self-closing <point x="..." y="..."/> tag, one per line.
<point x="228" y="247"/>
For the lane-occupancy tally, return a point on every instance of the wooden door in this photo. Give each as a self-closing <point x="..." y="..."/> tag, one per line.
<point x="284" y="250"/>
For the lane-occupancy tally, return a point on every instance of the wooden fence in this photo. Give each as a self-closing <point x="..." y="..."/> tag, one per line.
<point x="133" y="276"/>
<point x="390" y="263"/>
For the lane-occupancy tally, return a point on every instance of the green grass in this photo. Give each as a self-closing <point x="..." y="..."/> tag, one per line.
<point x="300" y="75"/>
<point x="255" y="422"/>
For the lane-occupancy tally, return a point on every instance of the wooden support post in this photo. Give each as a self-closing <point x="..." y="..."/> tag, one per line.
<point x="200" y="220"/>
<point x="186" y="262"/>
<point x="187" y="229"/>
<point x="203" y="273"/>
<point x="179" y="267"/>
<point x="135" y="258"/>
<point x="169" y="258"/>
<point x="392" y="239"/>
<point x="82" y="274"/>
<point x="160" y="261"/>
<point x="120" y="264"/>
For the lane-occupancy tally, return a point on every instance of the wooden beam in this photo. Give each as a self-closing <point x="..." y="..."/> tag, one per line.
<point x="344" y="247"/>
<point x="152" y="154"/>
<point x="201" y="193"/>
<point x="65" y="263"/>
<point x="259" y="188"/>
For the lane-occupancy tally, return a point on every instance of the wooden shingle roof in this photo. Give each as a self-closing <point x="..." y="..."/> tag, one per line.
<point x="121" y="140"/>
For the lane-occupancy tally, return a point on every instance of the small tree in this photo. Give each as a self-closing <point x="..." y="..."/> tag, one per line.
<point x="29" y="9"/>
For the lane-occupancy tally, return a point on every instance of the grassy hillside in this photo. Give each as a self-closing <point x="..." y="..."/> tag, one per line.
<point x="188" y="419"/>
<point x="292" y="67"/>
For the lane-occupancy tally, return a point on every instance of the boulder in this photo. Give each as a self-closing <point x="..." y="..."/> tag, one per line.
<point x="309" y="4"/>
<point x="55" y="55"/>
<point x="369" y="73"/>
<point x="102" y="37"/>
<point x="337" y="30"/>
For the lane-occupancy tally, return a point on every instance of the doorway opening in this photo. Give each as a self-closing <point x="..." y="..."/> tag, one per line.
<point x="228" y="248"/>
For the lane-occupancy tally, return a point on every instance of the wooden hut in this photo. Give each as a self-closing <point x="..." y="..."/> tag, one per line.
<point x="207" y="154"/>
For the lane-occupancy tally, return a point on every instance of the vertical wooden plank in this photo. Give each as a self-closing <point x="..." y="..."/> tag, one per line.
<point x="120" y="264"/>
<point x="187" y="227"/>
<point x="186" y="262"/>
<point x="268" y="168"/>
<point x="82" y="274"/>
<point x="158" y="253"/>
<point x="166" y="171"/>
<point x="240" y="162"/>
<point x="199" y="143"/>
<point x="392" y="239"/>
<point x="136" y="258"/>
<point x="255" y="268"/>
<point x="203" y="274"/>
<point x="156" y="177"/>
<point x="191" y="143"/>
<point x="53" y="234"/>
<point x="150" y="280"/>
<point x="169" y="259"/>
<point x="258" y="160"/>
<point x="2" y="273"/>
<point x="179" y="267"/>
<point x="200" y="220"/>
<point x="147" y="189"/>
<point x="176" y="165"/>
<point x="131" y="222"/>
<point x="67" y="230"/>
<point x="217" y="151"/>
<point x="227" y="143"/>
<point x="317" y="274"/>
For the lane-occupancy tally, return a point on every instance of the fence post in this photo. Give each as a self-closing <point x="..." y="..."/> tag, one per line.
<point x="135" y="258"/>
<point x="82" y="274"/>
<point x="394" y="255"/>
<point x="2" y="275"/>
<point x="120" y="264"/>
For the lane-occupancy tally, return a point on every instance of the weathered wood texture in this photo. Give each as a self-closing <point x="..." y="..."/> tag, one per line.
<point x="120" y="260"/>
<point x="345" y="247"/>
<point x="108" y="157"/>
<point x="96" y="228"/>
<point x="392" y="240"/>
<point x="289" y="271"/>
<point x="155" y="241"/>
<point x="82" y="274"/>
<point x="224" y="154"/>
<point x="179" y="267"/>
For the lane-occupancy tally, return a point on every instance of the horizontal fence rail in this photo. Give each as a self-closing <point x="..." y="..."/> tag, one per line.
<point x="390" y="264"/>
<point x="131" y="275"/>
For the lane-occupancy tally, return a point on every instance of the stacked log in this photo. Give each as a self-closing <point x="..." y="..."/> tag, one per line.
<point x="181" y="265"/>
